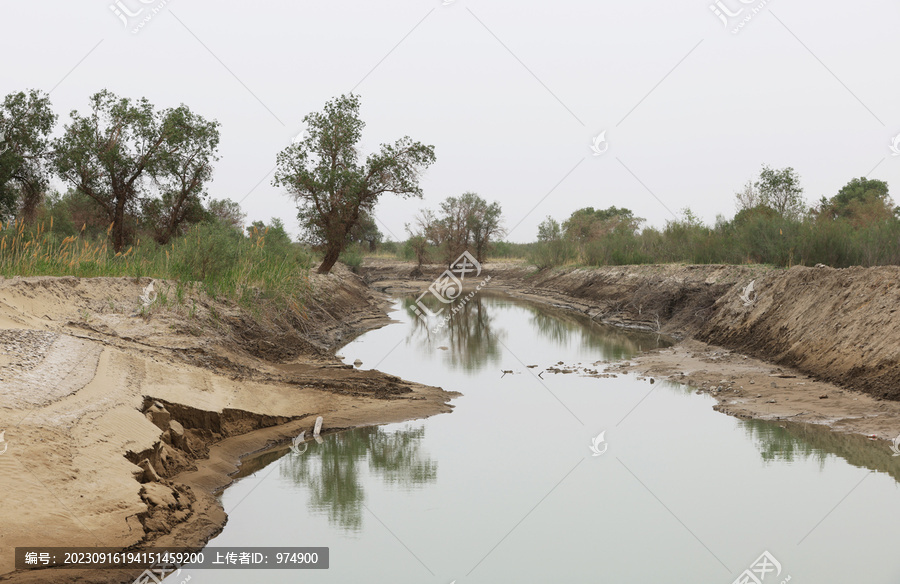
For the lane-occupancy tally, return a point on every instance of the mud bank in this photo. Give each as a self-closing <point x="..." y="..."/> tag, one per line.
<point x="815" y="345"/>
<point x="121" y="423"/>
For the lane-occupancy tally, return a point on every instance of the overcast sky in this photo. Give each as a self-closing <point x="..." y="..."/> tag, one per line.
<point x="511" y="94"/>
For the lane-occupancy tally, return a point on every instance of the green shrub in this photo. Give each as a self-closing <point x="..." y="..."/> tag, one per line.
<point x="389" y="247"/>
<point x="507" y="249"/>
<point x="352" y="256"/>
<point x="548" y="254"/>
<point x="212" y="250"/>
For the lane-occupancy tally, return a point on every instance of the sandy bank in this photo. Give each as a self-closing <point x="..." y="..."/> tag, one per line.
<point x="91" y="390"/>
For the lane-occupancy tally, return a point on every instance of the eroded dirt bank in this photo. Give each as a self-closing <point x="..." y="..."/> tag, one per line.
<point x="813" y="345"/>
<point x="120" y="424"/>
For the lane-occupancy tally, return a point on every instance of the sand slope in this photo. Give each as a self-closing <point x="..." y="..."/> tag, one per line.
<point x="82" y="373"/>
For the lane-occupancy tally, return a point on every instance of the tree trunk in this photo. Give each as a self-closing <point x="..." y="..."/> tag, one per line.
<point x="168" y="233"/>
<point x="119" y="226"/>
<point x="174" y="221"/>
<point x="331" y="257"/>
<point x="32" y="195"/>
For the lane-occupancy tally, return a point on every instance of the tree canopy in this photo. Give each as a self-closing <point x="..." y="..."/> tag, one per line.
<point x="466" y="222"/>
<point x="587" y="224"/>
<point x="781" y="190"/>
<point x="862" y="201"/>
<point x="26" y="121"/>
<point x="126" y="156"/>
<point x="322" y="172"/>
<point x="226" y="212"/>
<point x="366" y="231"/>
<point x="549" y="230"/>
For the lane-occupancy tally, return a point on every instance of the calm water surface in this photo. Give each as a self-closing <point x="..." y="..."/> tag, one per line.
<point x="506" y="488"/>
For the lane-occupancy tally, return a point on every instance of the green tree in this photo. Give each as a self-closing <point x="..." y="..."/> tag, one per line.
<point x="747" y="198"/>
<point x="226" y="212"/>
<point x="124" y="151"/>
<point x="690" y="219"/>
<point x="183" y="171"/>
<point x="366" y="232"/>
<point x="464" y="222"/>
<point x="860" y="189"/>
<point x="862" y="201"/>
<point x="323" y="174"/>
<point x="26" y="121"/>
<point x="551" y="249"/>
<point x="549" y="230"/>
<point x="588" y="224"/>
<point x="418" y="245"/>
<point x="484" y="223"/>
<point x="781" y="190"/>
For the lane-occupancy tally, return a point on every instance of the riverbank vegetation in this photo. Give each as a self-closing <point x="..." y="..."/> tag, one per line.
<point x="134" y="203"/>
<point x="122" y="191"/>
<point x="859" y="226"/>
<point x="259" y="269"/>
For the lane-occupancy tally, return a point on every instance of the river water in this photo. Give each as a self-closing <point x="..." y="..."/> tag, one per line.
<point x="507" y="488"/>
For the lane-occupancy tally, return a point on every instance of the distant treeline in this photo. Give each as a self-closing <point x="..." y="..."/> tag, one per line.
<point x="858" y="226"/>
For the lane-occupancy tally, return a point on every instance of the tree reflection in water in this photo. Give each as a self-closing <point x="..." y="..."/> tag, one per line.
<point x="331" y="471"/>
<point x="471" y="341"/>
<point x="794" y="441"/>
<point x="776" y="443"/>
<point x="565" y="328"/>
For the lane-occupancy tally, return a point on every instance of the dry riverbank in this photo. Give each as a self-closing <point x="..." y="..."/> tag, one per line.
<point x="814" y="345"/>
<point x="120" y="426"/>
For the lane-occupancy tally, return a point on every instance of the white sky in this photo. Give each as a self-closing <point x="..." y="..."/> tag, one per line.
<point x="511" y="94"/>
